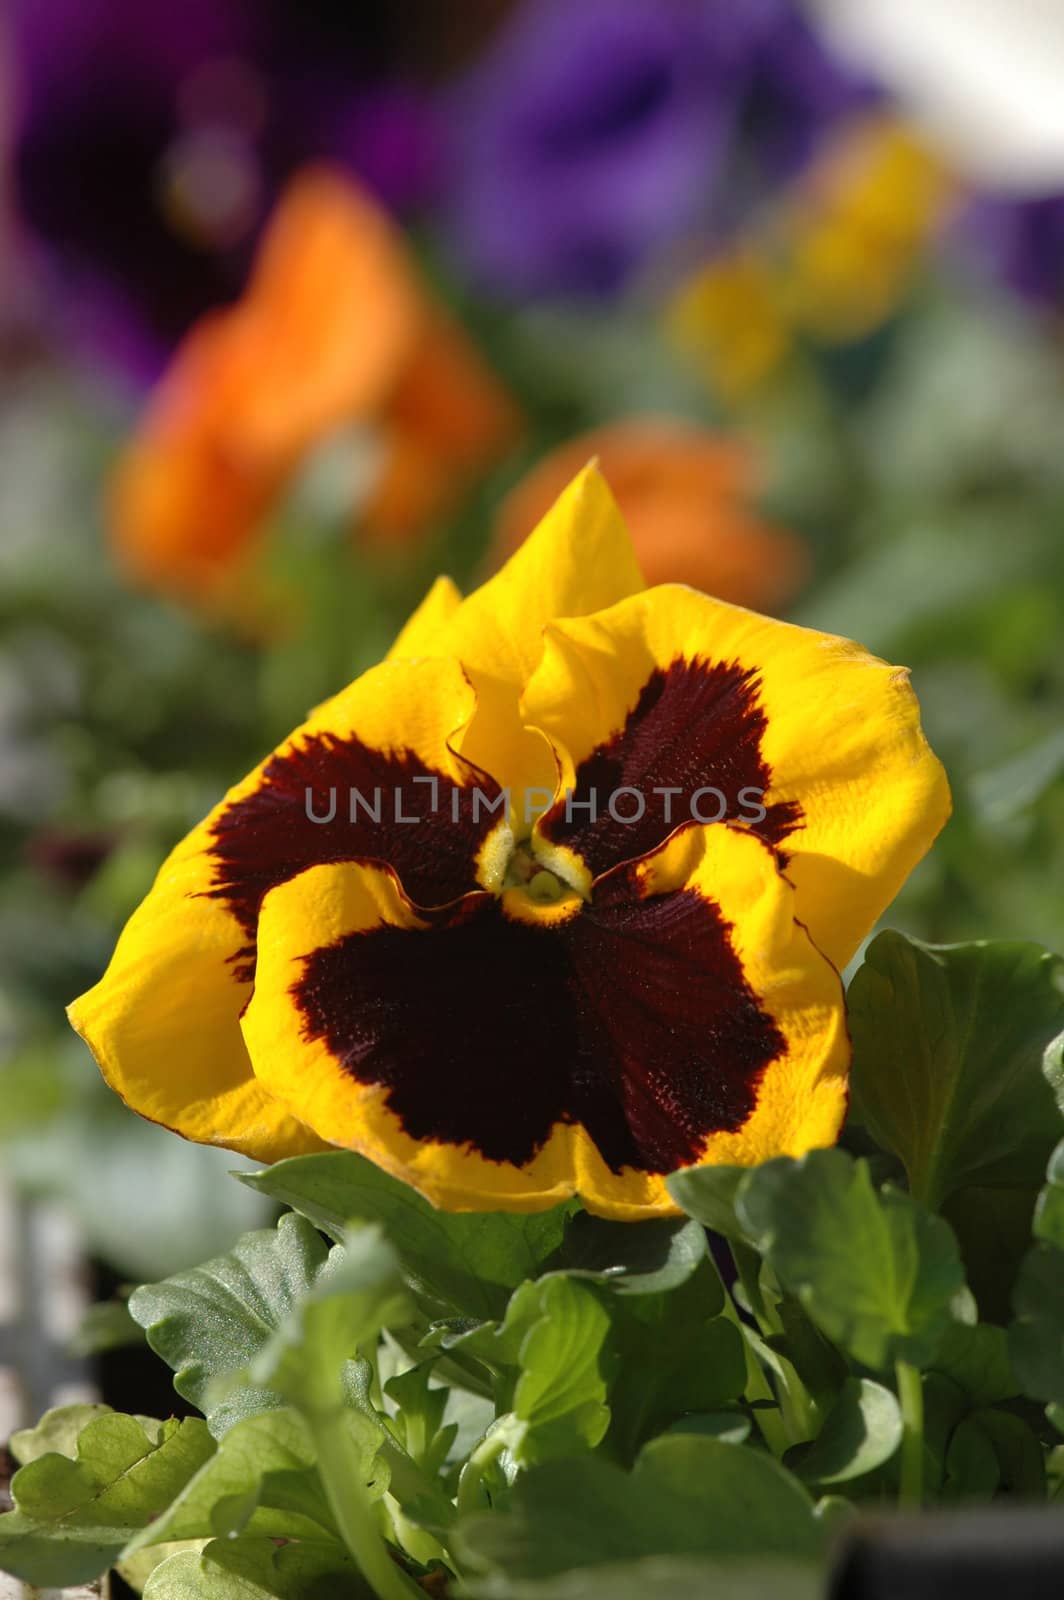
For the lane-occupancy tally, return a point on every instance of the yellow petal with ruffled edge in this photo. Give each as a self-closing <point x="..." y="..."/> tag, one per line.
<point x="164" y="1020"/>
<point x="424" y="1042"/>
<point x="673" y="688"/>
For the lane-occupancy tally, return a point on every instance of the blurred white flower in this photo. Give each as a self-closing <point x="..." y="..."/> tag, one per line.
<point x="983" y="78"/>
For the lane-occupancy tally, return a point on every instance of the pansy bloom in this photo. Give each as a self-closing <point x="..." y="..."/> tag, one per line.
<point x="552" y="901"/>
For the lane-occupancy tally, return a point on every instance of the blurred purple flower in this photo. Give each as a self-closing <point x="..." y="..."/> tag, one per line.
<point x="1021" y="243"/>
<point x="592" y="135"/>
<point x="151" y="141"/>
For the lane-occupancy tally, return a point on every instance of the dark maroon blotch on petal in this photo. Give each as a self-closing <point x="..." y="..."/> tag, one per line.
<point x="270" y="836"/>
<point x="695" y="725"/>
<point x="634" y="1019"/>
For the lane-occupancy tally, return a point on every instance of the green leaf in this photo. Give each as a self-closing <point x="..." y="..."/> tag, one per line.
<point x="972" y="1470"/>
<point x="687" y="1496"/>
<point x="977" y="1357"/>
<point x="675" y="1354"/>
<point x="958" y="1060"/>
<point x="420" y="1406"/>
<point x="106" y="1326"/>
<point x="708" y="1194"/>
<point x="1021" y="1463"/>
<point x="876" y="1272"/>
<point x="1036" y="1338"/>
<point x="256" y="1569"/>
<point x="356" y="1294"/>
<point x="674" y="1577"/>
<point x="260" y="1480"/>
<point x="73" y="1517"/>
<point x="993" y="1229"/>
<point x="633" y="1257"/>
<point x="733" y="1427"/>
<point x="58" y="1430"/>
<point x="210" y="1323"/>
<point x="466" y="1261"/>
<point x="861" y="1431"/>
<point x="551" y="1366"/>
<point x="1049" y="1212"/>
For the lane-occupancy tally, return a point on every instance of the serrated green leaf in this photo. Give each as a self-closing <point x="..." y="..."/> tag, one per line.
<point x="674" y="1577"/>
<point x="72" y="1518"/>
<point x="355" y="1294"/>
<point x="256" y="1569"/>
<point x="210" y="1323"/>
<point x="561" y="1392"/>
<point x="1036" y="1338"/>
<point x="420" y="1406"/>
<point x="551" y="1367"/>
<point x="876" y="1272"/>
<point x="58" y="1430"/>
<point x="687" y="1496"/>
<point x="633" y="1257"/>
<point x="958" y="1063"/>
<point x="466" y="1261"/>
<point x="861" y="1431"/>
<point x="260" y="1480"/>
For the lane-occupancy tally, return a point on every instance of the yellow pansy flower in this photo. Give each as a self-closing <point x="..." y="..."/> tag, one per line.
<point x="552" y="901"/>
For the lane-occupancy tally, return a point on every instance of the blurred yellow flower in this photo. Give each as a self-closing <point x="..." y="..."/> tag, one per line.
<point x="687" y="495"/>
<point x="831" y="260"/>
<point x="334" y="329"/>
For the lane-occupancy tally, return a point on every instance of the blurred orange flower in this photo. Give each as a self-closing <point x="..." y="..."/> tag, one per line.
<point x="334" y="329"/>
<point x="686" y="495"/>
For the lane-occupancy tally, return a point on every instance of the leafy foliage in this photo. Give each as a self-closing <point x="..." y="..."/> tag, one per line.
<point x="557" y="1406"/>
<point x="875" y="1271"/>
<point x="209" y="1324"/>
<point x="951" y="1076"/>
<point x="74" y="1514"/>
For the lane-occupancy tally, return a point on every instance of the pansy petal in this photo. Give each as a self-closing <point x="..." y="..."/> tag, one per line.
<point x="801" y="1096"/>
<point x="362" y="1000"/>
<point x="671" y="689"/>
<point x="498" y="1059"/>
<point x="164" y="1021"/>
<point x="420" y="633"/>
<point x="578" y="559"/>
<point x="372" y="774"/>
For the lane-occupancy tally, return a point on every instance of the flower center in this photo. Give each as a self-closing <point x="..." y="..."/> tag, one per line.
<point x="542" y="885"/>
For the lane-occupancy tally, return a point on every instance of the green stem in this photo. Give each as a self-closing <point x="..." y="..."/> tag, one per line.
<point x="492" y="1445"/>
<point x="911" y="1398"/>
<point x="748" y="1265"/>
<point x="768" y="1418"/>
<point x="796" y="1405"/>
<point x="340" y="1468"/>
<point x="799" y="1410"/>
